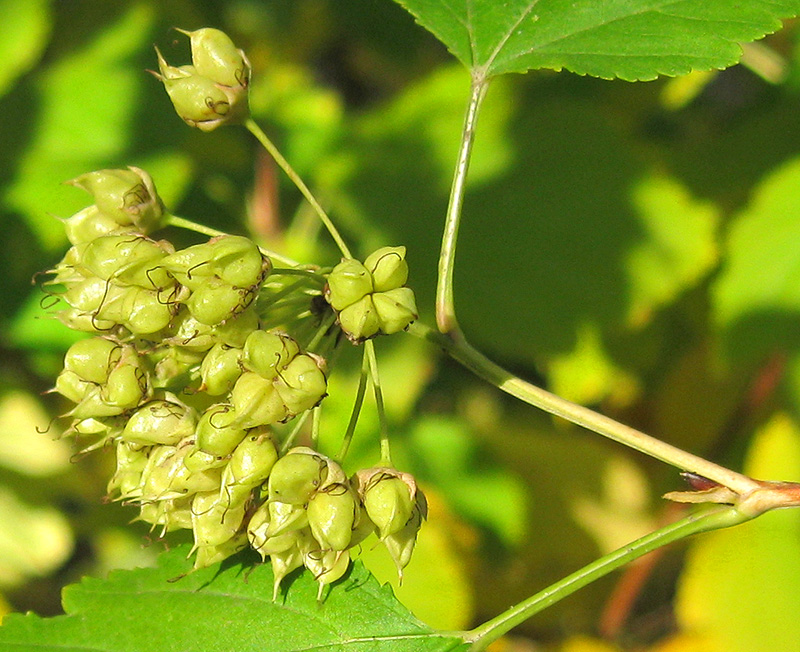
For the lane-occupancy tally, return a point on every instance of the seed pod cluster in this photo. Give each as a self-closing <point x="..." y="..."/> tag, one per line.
<point x="180" y="378"/>
<point x="314" y="515"/>
<point x="371" y="297"/>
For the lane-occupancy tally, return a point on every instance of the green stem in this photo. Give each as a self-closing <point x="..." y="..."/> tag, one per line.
<point x="262" y="138"/>
<point x="445" y="306"/>
<point x="372" y="361"/>
<point x="713" y="519"/>
<point x="457" y="347"/>
<point x="189" y="225"/>
<point x="315" y="420"/>
<point x="351" y="426"/>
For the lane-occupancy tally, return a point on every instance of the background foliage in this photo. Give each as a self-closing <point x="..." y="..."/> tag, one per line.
<point x="630" y="246"/>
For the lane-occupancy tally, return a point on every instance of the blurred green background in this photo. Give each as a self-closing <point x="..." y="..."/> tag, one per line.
<point x="633" y="247"/>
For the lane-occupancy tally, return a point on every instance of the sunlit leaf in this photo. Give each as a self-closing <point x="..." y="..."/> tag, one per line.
<point x="756" y="297"/>
<point x="741" y="588"/>
<point x="629" y="39"/>
<point x="25" y="29"/>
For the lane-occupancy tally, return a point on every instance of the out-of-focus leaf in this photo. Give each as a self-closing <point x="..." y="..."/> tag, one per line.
<point x="225" y="607"/>
<point x="740" y="591"/>
<point x="585" y="644"/>
<point x="36" y="328"/>
<point x="756" y="297"/>
<point x="27" y="443"/>
<point x="25" y="29"/>
<point x="445" y="454"/>
<point x="34" y="541"/>
<point x="435" y="585"/>
<point x="622" y="513"/>
<point x="86" y="102"/>
<point x="629" y="39"/>
<point x="588" y="375"/>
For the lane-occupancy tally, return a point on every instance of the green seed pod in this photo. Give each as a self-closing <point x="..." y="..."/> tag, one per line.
<point x="401" y="544"/>
<point x="128" y="197"/>
<point x="327" y="567"/>
<point x="214" y="521"/>
<point x="332" y="514"/>
<point x="388" y="267"/>
<point x="190" y="334"/>
<point x="396" y="309"/>
<point x="271" y="545"/>
<point x="215" y="56"/>
<point x="107" y="256"/>
<point x="360" y="320"/>
<point x="218" y="301"/>
<point x="131" y="462"/>
<point x="127" y="386"/>
<point x="220" y="369"/>
<point x="251" y="461"/>
<point x="285" y="517"/>
<point x="90" y="294"/>
<point x="218" y="431"/>
<point x="201" y="101"/>
<point x="388" y="496"/>
<point x="197" y="460"/>
<point x="90" y="223"/>
<point x="301" y="385"/>
<point x="267" y="353"/>
<point x="297" y="475"/>
<point x="79" y="320"/>
<point x="171" y="362"/>
<point x="160" y="422"/>
<point x="256" y="402"/>
<point x="92" y="359"/>
<point x="238" y="261"/>
<point x="348" y="282"/>
<point x="208" y="555"/>
<point x="145" y="310"/>
<point x="169" y="514"/>
<point x="93" y="405"/>
<point x="234" y="332"/>
<point x="182" y="481"/>
<point x="284" y="563"/>
<point x="71" y="386"/>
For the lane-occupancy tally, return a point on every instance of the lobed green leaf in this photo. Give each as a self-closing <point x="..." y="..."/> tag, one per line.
<point x="628" y="39"/>
<point x="162" y="610"/>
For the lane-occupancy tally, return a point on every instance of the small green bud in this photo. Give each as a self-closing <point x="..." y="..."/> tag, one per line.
<point x="218" y="431"/>
<point x="301" y="385"/>
<point x="128" y="197"/>
<point x="360" y="320"/>
<point x="396" y="309"/>
<point x="284" y="563"/>
<point x="94" y="405"/>
<point x="160" y="422"/>
<point x="348" y="282"/>
<point x="267" y="353"/>
<point x="112" y="256"/>
<point x="297" y="475"/>
<point x="169" y="514"/>
<point x="256" y="402"/>
<point x="388" y="267"/>
<point x="220" y="369"/>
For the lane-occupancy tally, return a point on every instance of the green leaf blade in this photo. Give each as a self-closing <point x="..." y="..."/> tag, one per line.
<point x="626" y="39"/>
<point x="224" y="607"/>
